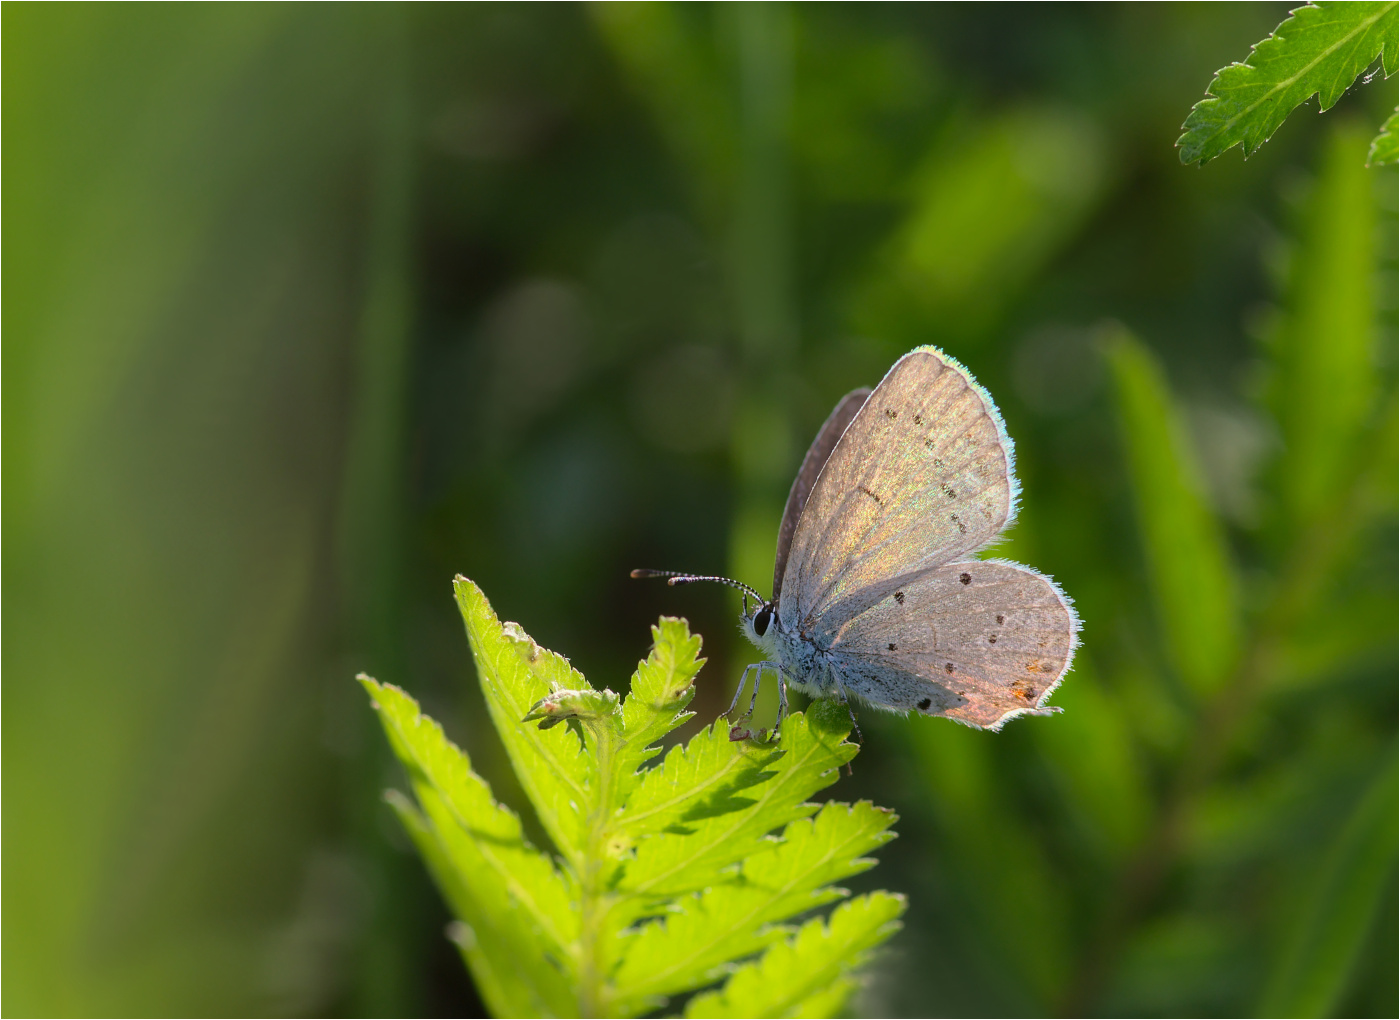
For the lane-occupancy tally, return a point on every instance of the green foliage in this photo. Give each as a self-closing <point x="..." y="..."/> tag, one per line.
<point x="666" y="876"/>
<point x="1340" y="907"/>
<point x="1319" y="50"/>
<point x="1330" y="482"/>
<point x="1185" y="544"/>
<point x="1383" y="151"/>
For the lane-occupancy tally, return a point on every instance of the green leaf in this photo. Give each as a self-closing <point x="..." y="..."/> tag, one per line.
<point x="515" y="675"/>
<point x="668" y="877"/>
<point x="508" y="893"/>
<point x="1312" y="971"/>
<point x="1188" y="566"/>
<point x="805" y="976"/>
<point x="1320" y="49"/>
<point x="720" y="832"/>
<point x="1324" y="385"/>
<point x="791" y="877"/>
<point x="1383" y="151"/>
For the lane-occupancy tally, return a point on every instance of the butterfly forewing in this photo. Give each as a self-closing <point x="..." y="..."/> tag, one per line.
<point x="978" y="641"/>
<point x="921" y="476"/>
<point x="817" y="455"/>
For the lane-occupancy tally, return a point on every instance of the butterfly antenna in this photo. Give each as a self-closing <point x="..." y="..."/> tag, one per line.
<point x="680" y="577"/>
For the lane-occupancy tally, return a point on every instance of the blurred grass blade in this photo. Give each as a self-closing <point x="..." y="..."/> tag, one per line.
<point x="1187" y="562"/>
<point x="804" y="976"/>
<point x="1312" y="972"/>
<point x="675" y="73"/>
<point x="1006" y="883"/>
<point x="1325" y="383"/>
<point x="986" y="214"/>
<point x="1383" y="151"/>
<point x="1319" y="50"/>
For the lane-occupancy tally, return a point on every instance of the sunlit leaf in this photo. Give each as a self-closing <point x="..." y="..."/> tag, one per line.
<point x="688" y="947"/>
<point x="796" y="977"/>
<point x="507" y="893"/>
<point x="1319" y="50"/>
<point x="669" y="876"/>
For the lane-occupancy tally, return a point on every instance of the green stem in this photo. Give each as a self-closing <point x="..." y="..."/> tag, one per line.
<point x="595" y="901"/>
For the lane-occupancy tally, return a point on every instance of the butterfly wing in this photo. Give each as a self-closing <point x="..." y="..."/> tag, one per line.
<point x="980" y="641"/>
<point x="921" y="476"/>
<point x="817" y="455"/>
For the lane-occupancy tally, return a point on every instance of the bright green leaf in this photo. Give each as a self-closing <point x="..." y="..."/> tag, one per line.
<point x="515" y="674"/>
<point x="1383" y="151"/>
<point x="670" y="876"/>
<point x="1188" y="565"/>
<point x="1318" y="51"/>
<point x="796" y="977"/>
<point x="791" y="878"/>
<point x="508" y="893"/>
<point x="723" y="832"/>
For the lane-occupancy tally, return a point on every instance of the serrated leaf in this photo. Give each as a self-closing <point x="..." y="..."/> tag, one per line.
<point x="706" y="777"/>
<point x="1320" y="49"/>
<point x="516" y="673"/>
<point x="1188" y="566"/>
<point x="688" y="947"/>
<point x="796" y="977"/>
<point x="814" y="748"/>
<point x="662" y="687"/>
<point x="687" y="847"/>
<point x="1385" y="147"/>
<point x="505" y="890"/>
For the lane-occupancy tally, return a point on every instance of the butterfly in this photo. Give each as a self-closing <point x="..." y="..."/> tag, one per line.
<point x="877" y="595"/>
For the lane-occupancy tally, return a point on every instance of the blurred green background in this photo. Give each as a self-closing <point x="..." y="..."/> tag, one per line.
<point x="310" y="307"/>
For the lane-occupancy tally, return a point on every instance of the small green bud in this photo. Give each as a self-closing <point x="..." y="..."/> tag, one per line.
<point x="561" y="705"/>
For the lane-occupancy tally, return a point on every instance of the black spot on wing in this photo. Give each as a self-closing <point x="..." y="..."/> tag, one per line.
<point x="965" y="578"/>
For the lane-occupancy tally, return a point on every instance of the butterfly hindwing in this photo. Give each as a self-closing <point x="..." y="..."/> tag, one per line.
<point x="979" y="641"/>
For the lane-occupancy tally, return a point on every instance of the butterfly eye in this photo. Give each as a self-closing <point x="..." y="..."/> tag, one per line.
<point x="761" y="620"/>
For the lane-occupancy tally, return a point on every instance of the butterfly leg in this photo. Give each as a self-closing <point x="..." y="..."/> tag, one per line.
<point x="757" y="683"/>
<point x="738" y="731"/>
<point x="743" y="680"/>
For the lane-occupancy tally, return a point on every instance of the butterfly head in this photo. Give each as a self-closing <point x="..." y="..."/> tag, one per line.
<point x="761" y="625"/>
